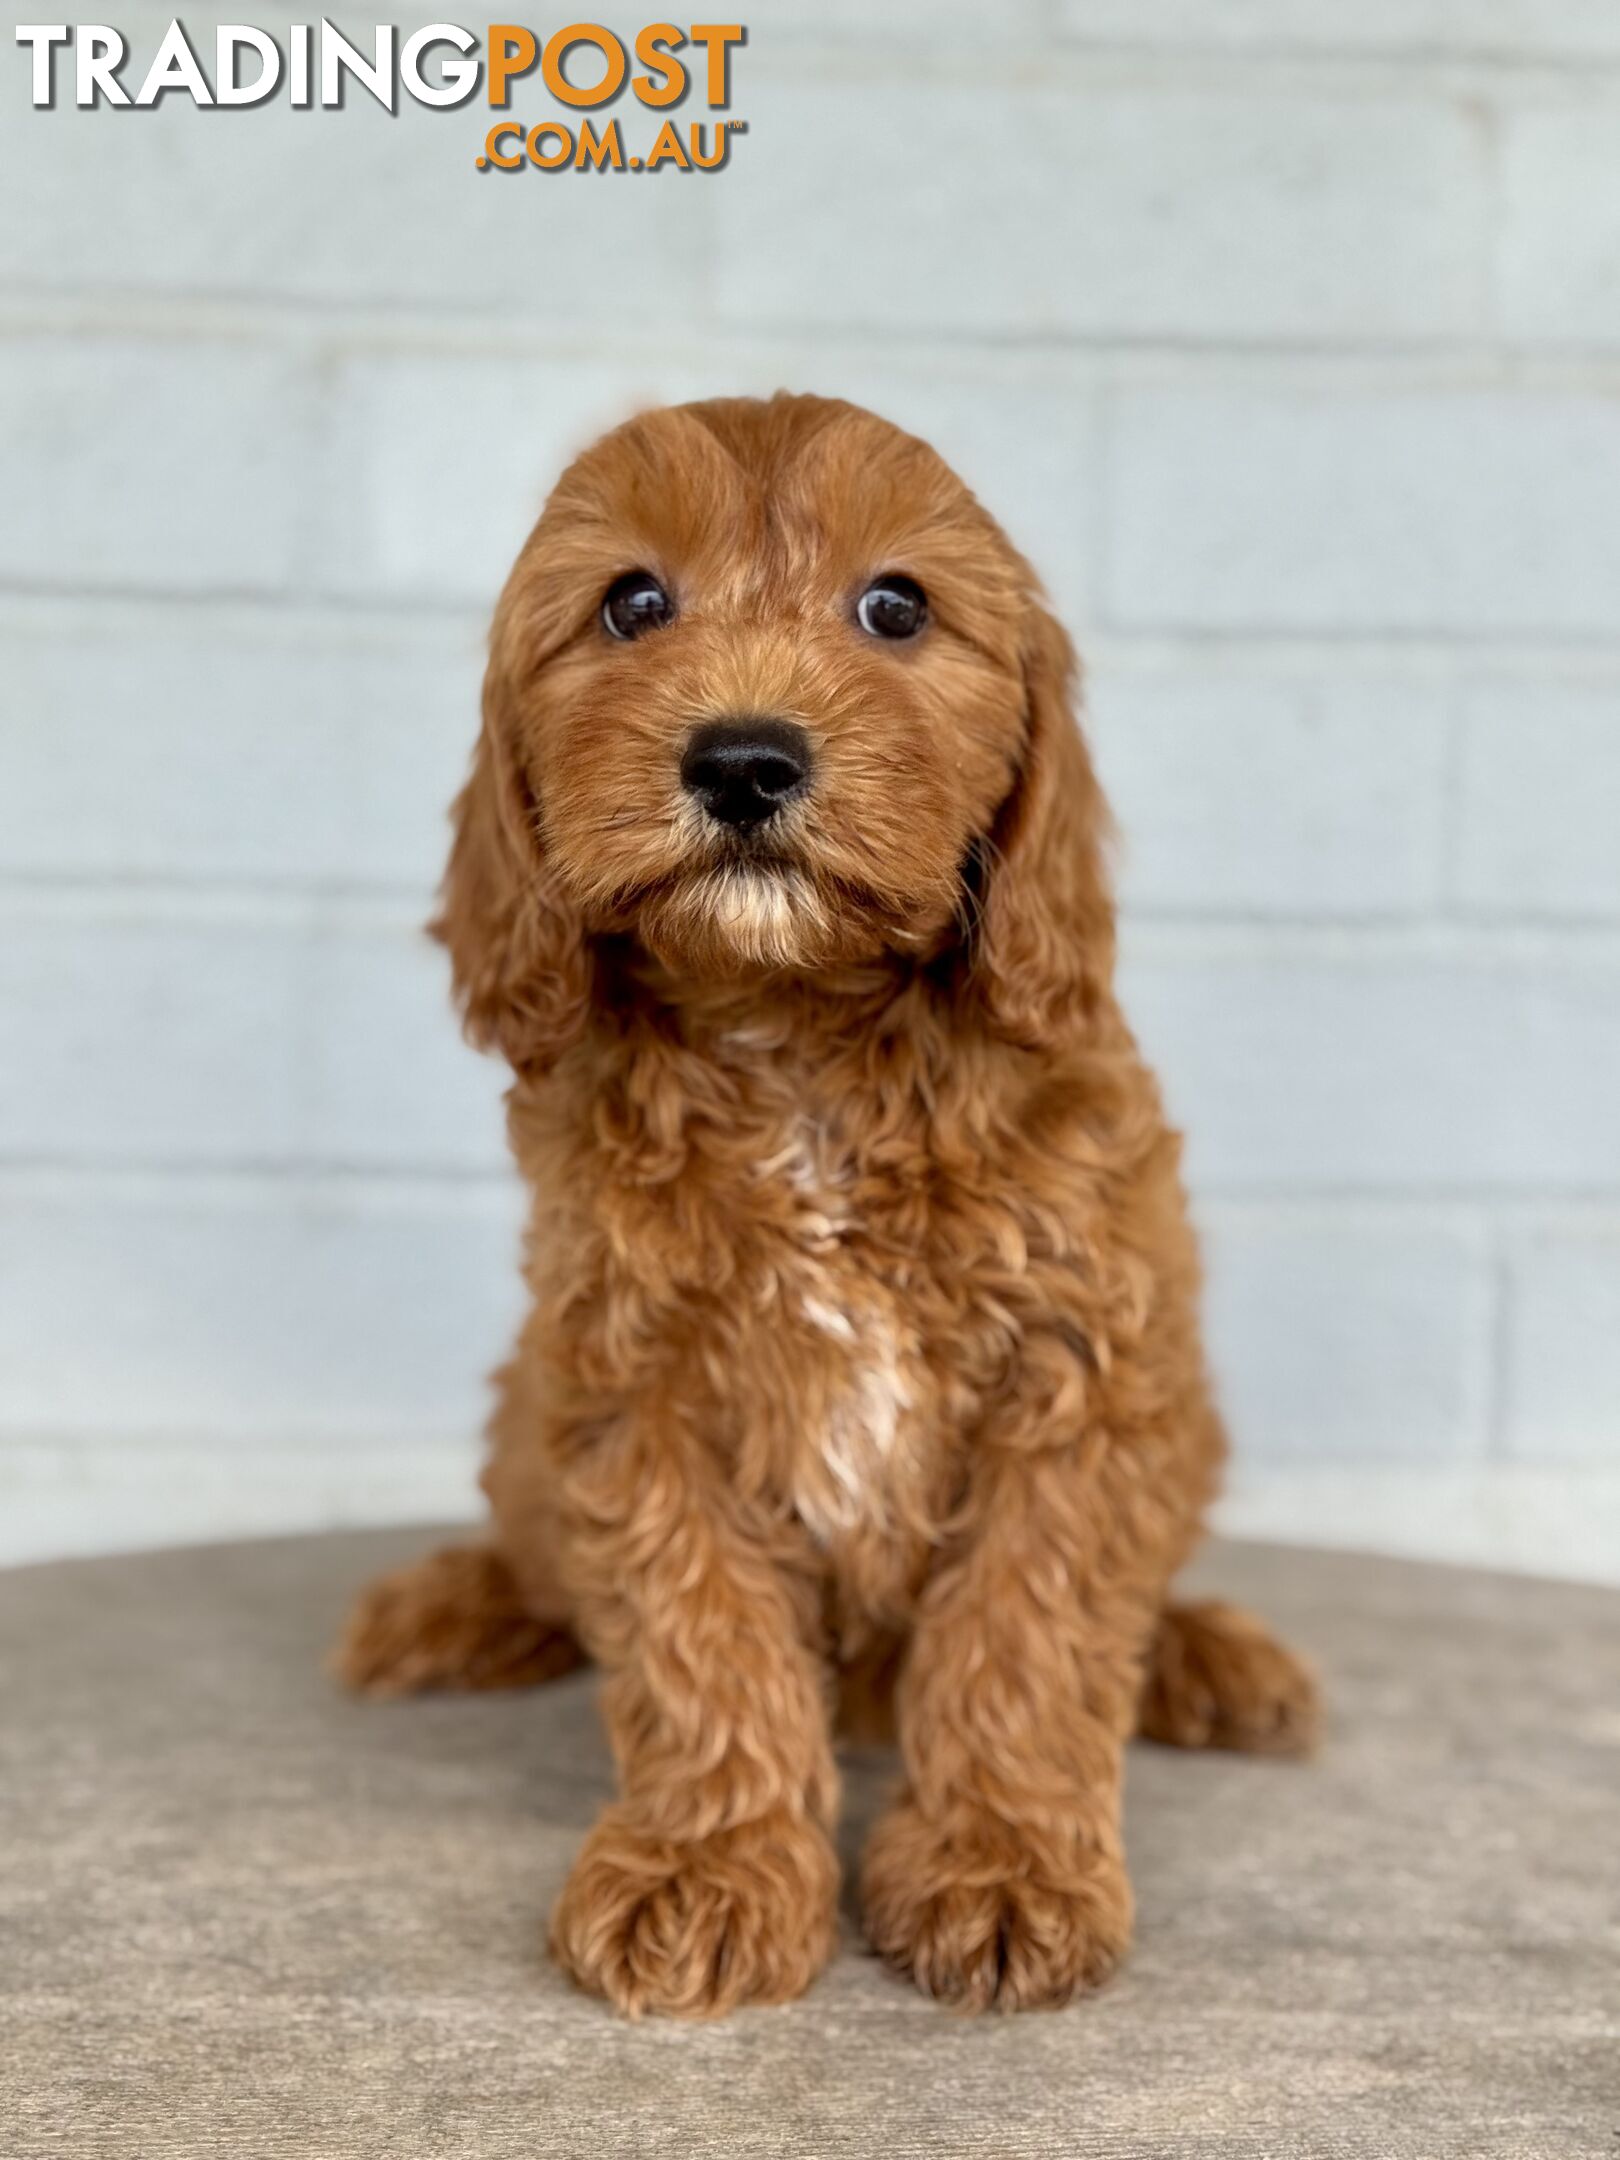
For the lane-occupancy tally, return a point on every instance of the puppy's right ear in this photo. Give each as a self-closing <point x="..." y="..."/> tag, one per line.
<point x="519" y="961"/>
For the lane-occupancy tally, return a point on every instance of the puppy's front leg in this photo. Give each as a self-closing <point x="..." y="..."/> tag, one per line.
<point x="712" y="1881"/>
<point x="999" y="1878"/>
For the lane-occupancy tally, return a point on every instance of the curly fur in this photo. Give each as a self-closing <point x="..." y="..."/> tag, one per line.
<point x="863" y="1358"/>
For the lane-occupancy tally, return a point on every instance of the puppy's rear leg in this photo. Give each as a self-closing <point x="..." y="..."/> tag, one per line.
<point x="1216" y="1677"/>
<point x="452" y="1620"/>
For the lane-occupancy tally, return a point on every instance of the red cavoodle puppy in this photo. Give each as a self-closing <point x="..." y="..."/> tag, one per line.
<point x="863" y="1368"/>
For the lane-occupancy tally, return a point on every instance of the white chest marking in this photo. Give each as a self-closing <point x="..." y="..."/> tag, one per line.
<point x="862" y="1428"/>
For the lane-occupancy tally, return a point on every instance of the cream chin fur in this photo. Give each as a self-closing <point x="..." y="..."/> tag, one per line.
<point x="769" y="917"/>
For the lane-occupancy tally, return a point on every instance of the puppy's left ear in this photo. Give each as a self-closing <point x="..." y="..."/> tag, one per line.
<point x="519" y="961"/>
<point x="1044" y="952"/>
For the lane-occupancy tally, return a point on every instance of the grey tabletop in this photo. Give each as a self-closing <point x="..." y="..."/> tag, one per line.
<point x="240" y="1914"/>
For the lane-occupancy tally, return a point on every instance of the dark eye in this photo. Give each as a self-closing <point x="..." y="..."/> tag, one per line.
<point x="892" y="607"/>
<point x="635" y="602"/>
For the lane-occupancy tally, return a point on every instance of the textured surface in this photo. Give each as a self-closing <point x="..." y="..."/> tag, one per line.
<point x="241" y="1913"/>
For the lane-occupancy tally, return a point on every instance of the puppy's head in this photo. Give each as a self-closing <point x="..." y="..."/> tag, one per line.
<point x="768" y="690"/>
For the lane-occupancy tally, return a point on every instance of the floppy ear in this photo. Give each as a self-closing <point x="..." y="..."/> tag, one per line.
<point x="519" y="962"/>
<point x="1044" y="953"/>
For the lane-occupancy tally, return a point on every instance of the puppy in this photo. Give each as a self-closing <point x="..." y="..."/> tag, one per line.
<point x="863" y="1368"/>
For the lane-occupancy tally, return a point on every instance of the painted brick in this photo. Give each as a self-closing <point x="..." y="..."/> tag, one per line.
<point x="1337" y="510"/>
<point x="1563" y="1386"/>
<point x="432" y="514"/>
<point x="1271" y="795"/>
<point x="390" y="1081"/>
<point x="1493" y="1515"/>
<point x="148" y="1040"/>
<point x="427" y="507"/>
<point x="1338" y="1338"/>
<point x="298" y="1036"/>
<point x="61" y="1497"/>
<point x="1558" y="276"/>
<point x="1172" y="213"/>
<point x="153" y="463"/>
<point x="364" y="209"/>
<point x="1539" y="809"/>
<point x="1525" y="29"/>
<point x="196" y="1313"/>
<point x="1424" y="1065"/>
<point x="169" y="743"/>
<point x="911" y="26"/>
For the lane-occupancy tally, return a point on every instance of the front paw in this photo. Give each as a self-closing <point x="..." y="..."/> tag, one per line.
<point x="746" y="1915"/>
<point x="964" y="1905"/>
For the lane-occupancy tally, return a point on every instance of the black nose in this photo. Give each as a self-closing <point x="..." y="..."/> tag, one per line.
<point x="743" y="771"/>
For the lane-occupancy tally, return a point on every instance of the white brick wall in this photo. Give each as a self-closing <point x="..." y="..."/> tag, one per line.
<point x="1523" y="31"/>
<point x="1563" y="1344"/>
<point x="1308" y="218"/>
<point x="271" y="745"/>
<point x="1364" y="505"/>
<point x="1284" y="334"/>
<point x="249" y="1307"/>
<point x="1427" y="1062"/>
<point x="1556" y="746"/>
<point x="1196" y="760"/>
<point x="132" y="461"/>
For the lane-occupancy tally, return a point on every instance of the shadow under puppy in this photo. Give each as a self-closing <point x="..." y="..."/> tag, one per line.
<point x="863" y="1368"/>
